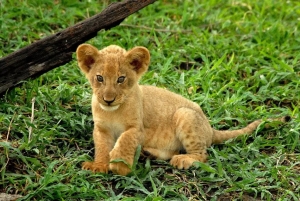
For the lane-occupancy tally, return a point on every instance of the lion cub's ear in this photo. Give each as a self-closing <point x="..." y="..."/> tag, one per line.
<point x="86" y="56"/>
<point x="139" y="59"/>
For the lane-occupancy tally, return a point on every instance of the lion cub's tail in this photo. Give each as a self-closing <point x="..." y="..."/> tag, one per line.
<point x="220" y="136"/>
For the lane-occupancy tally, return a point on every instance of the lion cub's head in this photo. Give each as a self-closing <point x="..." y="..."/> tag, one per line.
<point x="112" y="72"/>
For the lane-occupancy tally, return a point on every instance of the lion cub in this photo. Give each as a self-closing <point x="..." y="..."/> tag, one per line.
<point x="127" y="114"/>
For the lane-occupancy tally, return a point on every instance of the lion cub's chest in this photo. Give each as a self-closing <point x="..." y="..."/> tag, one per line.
<point x="116" y="129"/>
<point x="114" y="126"/>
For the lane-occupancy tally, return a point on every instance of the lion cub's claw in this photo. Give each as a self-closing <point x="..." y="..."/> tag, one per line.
<point x="95" y="167"/>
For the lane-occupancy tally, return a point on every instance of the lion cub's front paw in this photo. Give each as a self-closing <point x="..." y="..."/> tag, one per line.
<point x="119" y="168"/>
<point x="95" y="167"/>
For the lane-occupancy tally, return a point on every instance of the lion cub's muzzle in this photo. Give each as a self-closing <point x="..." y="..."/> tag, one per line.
<point x="109" y="102"/>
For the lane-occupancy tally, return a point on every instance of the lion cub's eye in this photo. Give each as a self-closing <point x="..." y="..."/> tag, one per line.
<point x="99" y="78"/>
<point x="121" y="79"/>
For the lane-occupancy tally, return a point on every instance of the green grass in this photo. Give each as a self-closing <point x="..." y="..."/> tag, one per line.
<point x="239" y="60"/>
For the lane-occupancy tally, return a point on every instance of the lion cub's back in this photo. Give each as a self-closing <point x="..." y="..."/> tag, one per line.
<point x="161" y="104"/>
<point x="164" y="97"/>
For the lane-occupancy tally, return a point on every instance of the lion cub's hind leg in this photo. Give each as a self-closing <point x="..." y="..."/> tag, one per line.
<point x="195" y="133"/>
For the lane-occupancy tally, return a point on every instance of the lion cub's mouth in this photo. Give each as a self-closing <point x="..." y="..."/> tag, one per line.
<point x="109" y="108"/>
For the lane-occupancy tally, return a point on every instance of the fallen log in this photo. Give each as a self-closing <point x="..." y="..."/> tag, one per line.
<point x="56" y="50"/>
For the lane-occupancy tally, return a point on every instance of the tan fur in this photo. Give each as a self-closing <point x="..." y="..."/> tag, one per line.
<point x="127" y="114"/>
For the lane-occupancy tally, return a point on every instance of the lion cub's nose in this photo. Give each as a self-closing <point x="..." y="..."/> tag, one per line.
<point x="109" y="101"/>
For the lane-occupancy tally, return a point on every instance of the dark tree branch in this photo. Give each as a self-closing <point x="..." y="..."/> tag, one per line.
<point x="56" y="50"/>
